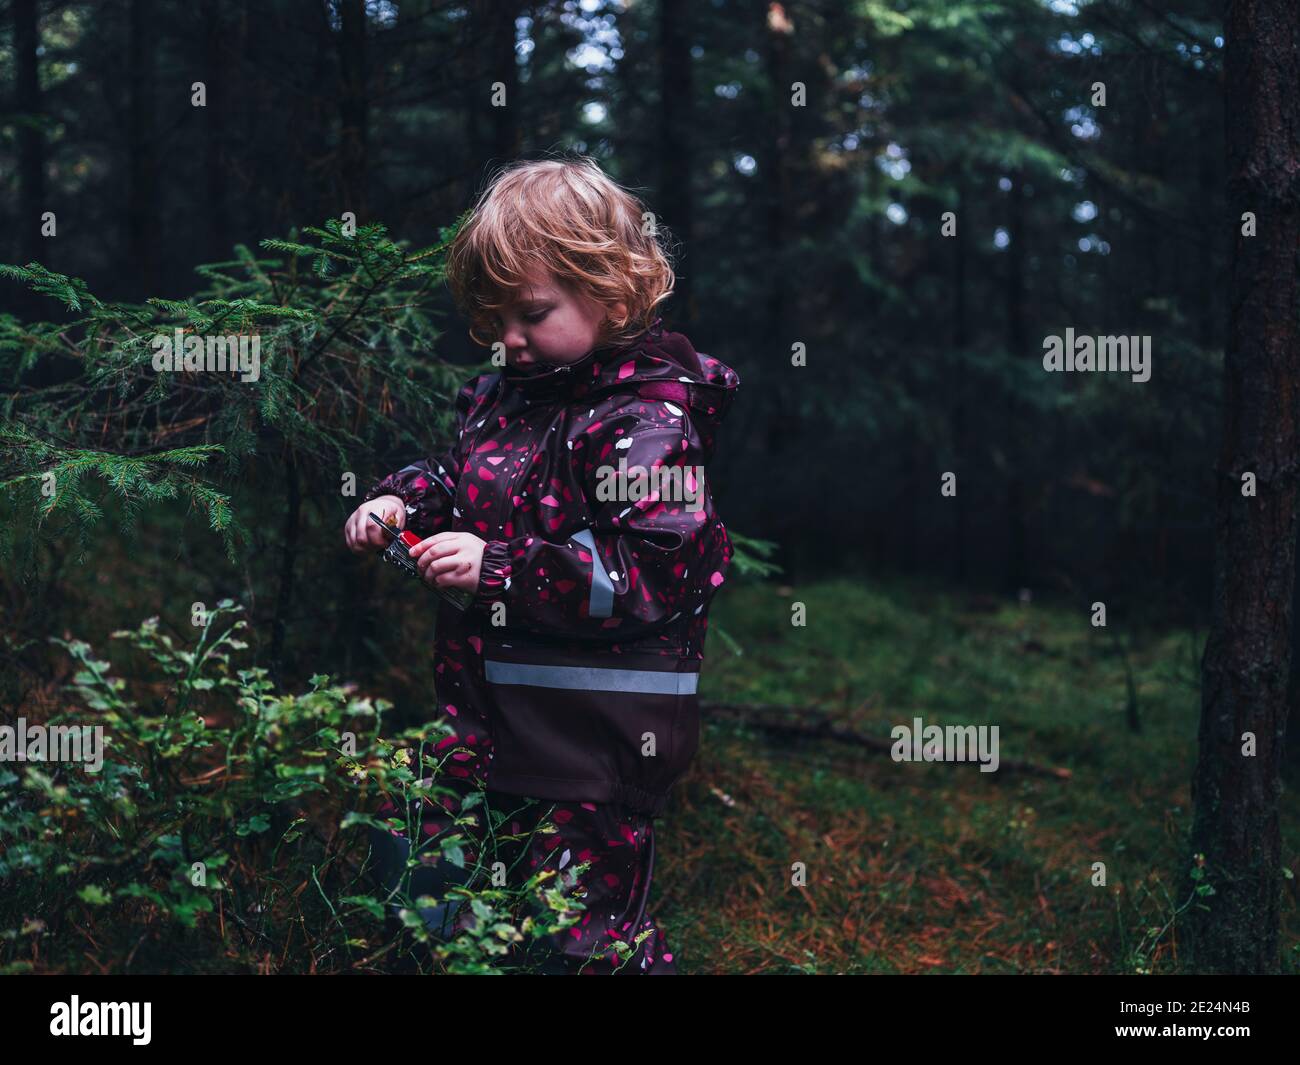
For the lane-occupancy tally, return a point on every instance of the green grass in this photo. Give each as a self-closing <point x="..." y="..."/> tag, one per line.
<point x="936" y="867"/>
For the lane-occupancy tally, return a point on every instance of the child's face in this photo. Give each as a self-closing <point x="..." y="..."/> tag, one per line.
<point x="545" y="323"/>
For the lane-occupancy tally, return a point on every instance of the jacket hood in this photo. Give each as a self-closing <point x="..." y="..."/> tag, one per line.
<point x="658" y="364"/>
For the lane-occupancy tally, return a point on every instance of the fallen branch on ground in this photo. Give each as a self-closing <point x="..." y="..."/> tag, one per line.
<point x="802" y="723"/>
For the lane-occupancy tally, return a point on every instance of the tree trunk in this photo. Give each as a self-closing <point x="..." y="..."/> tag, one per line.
<point x="1017" y="567"/>
<point x="354" y="108"/>
<point x="1247" y="658"/>
<point x="960" y="340"/>
<point x="142" y="196"/>
<point x="285" y="588"/>
<point x="251" y="89"/>
<point x="214" y="130"/>
<point x="778" y="419"/>
<point x="675" y="96"/>
<point x="496" y="22"/>
<point x="31" y="134"/>
<point x="31" y="151"/>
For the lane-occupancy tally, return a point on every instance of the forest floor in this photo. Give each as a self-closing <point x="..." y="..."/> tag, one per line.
<point x="916" y="867"/>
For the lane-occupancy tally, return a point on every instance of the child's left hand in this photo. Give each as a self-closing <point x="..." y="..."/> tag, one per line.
<point x="450" y="560"/>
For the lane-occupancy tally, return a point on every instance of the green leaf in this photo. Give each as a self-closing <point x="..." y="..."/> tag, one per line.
<point x="94" y="895"/>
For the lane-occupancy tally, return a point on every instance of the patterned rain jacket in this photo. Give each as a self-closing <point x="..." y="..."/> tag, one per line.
<point x="572" y="675"/>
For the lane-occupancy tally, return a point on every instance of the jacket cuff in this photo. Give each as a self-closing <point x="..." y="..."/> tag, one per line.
<point x="414" y="494"/>
<point x="494" y="572"/>
<point x="388" y="488"/>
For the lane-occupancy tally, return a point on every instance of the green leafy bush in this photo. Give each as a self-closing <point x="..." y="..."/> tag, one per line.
<point x="225" y="829"/>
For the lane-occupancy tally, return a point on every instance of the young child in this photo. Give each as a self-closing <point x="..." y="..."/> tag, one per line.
<point x="573" y="506"/>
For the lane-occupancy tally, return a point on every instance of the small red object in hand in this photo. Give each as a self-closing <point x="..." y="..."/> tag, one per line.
<point x="398" y="552"/>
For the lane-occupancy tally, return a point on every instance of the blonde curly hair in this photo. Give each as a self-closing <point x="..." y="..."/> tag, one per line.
<point x="569" y="219"/>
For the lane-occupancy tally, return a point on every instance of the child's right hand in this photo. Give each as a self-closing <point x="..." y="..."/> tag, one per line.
<point x="360" y="533"/>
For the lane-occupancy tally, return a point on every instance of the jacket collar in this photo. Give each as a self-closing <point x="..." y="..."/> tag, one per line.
<point x="558" y="379"/>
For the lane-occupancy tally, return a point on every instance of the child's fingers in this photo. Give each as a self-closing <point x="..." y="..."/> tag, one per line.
<point x="390" y="510"/>
<point x="431" y="567"/>
<point x="453" y="572"/>
<point x="428" y="564"/>
<point x="366" y="535"/>
<point x="361" y="534"/>
<point x="425" y="556"/>
<point x="355" y="534"/>
<point x="437" y="544"/>
<point x="448" y="577"/>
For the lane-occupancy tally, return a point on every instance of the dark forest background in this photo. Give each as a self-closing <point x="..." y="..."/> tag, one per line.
<point x="818" y="225"/>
